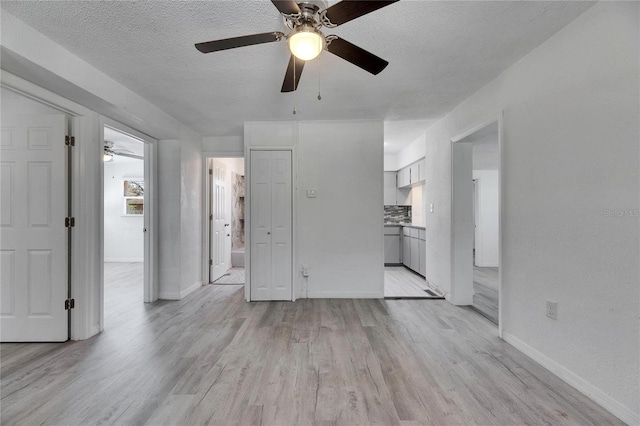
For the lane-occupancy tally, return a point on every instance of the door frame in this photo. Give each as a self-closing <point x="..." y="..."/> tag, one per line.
<point x="150" y="285"/>
<point x="247" y="215"/>
<point x="206" y="188"/>
<point x="456" y="286"/>
<point x="84" y="238"/>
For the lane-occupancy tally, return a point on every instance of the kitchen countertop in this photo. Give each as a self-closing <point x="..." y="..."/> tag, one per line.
<point x="408" y="225"/>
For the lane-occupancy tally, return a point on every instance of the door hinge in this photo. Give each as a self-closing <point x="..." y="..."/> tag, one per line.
<point x="69" y="304"/>
<point x="210" y="217"/>
<point x="69" y="222"/>
<point x="210" y="171"/>
<point x="70" y="140"/>
<point x="210" y="262"/>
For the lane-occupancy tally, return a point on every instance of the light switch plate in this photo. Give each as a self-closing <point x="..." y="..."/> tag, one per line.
<point x="311" y="193"/>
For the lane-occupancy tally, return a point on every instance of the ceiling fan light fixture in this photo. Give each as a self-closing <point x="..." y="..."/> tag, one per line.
<point x="306" y="43"/>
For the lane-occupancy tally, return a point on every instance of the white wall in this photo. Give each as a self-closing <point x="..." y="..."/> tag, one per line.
<point x="570" y="164"/>
<point x="338" y="234"/>
<point x="390" y="163"/>
<point x="190" y="214"/>
<point x="169" y="219"/>
<point x="31" y="55"/>
<point x="487" y="218"/>
<point x="123" y="236"/>
<point x="413" y="152"/>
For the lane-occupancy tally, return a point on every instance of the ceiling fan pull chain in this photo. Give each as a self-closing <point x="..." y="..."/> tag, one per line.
<point x="319" y="97"/>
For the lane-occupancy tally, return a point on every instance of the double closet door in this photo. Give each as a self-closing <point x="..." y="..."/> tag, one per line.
<point x="271" y="225"/>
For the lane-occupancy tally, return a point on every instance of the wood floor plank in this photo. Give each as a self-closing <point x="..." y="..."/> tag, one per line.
<point x="212" y="358"/>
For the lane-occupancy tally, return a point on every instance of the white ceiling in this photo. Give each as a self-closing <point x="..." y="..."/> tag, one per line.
<point x="440" y="52"/>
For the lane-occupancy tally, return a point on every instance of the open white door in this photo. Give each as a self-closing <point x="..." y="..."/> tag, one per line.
<point x="33" y="237"/>
<point x="219" y="221"/>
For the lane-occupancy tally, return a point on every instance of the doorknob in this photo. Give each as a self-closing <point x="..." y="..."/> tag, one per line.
<point x="268" y="233"/>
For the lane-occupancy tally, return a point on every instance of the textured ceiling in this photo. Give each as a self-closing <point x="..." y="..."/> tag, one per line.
<point x="440" y="52"/>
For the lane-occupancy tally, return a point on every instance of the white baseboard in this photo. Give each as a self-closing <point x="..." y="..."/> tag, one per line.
<point x="169" y="295"/>
<point x="601" y="398"/>
<point x="178" y="295"/>
<point x="193" y="287"/>
<point x="344" y="295"/>
<point x="123" y="259"/>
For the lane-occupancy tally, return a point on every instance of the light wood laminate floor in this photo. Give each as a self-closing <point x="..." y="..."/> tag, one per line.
<point x="212" y="358"/>
<point x="400" y="282"/>
<point x="485" y="292"/>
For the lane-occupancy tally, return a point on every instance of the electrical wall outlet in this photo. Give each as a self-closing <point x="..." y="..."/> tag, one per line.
<point x="552" y="309"/>
<point x="305" y="271"/>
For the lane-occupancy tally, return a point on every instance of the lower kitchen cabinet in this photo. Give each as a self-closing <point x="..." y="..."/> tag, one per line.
<point x="406" y="248"/>
<point x="392" y="245"/>
<point x="423" y="257"/>
<point x="413" y="249"/>
<point x="415" y="254"/>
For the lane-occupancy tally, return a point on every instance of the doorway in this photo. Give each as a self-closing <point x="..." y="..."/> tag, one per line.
<point x="476" y="219"/>
<point x="128" y="222"/>
<point x="226" y="220"/>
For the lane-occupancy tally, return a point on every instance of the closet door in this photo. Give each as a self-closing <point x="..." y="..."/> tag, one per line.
<point x="271" y="225"/>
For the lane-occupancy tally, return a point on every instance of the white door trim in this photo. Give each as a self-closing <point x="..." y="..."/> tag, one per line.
<point x="150" y="212"/>
<point x="84" y="242"/>
<point x="206" y="156"/>
<point x="495" y="118"/>
<point x="247" y="214"/>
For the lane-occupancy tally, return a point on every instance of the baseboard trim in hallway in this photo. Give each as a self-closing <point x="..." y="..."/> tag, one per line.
<point x="571" y="378"/>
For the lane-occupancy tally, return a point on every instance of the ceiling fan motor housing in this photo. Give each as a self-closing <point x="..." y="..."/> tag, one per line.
<point x="309" y="15"/>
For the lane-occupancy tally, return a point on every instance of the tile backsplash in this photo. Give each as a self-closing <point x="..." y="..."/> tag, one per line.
<point x="397" y="214"/>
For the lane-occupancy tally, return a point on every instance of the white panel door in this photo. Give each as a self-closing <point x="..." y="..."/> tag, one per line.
<point x="219" y="223"/>
<point x="33" y="237"/>
<point x="271" y="225"/>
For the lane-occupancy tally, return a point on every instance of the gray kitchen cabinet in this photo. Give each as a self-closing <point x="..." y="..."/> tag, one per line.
<point x="390" y="189"/>
<point x="392" y="245"/>
<point x="393" y="195"/>
<point x="412" y="174"/>
<point x="413" y="249"/>
<point x="415" y="254"/>
<point x="421" y="170"/>
<point x="422" y="246"/>
<point x="406" y="248"/>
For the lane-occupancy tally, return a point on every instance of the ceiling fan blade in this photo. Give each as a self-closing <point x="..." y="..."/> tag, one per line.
<point x="288" y="7"/>
<point x="348" y="10"/>
<point x="233" y="42"/>
<point x="290" y="83"/>
<point x="356" y="55"/>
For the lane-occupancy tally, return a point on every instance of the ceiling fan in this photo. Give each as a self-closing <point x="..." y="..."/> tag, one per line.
<point x="110" y="151"/>
<point x="306" y="41"/>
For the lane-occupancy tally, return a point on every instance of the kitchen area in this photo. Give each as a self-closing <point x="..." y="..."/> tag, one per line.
<point x="405" y="235"/>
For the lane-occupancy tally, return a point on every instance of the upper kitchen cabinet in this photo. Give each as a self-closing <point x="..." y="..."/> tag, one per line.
<point x="392" y="194"/>
<point x="421" y="170"/>
<point x="412" y="174"/>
